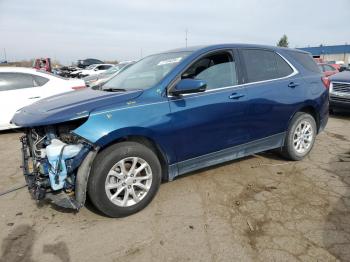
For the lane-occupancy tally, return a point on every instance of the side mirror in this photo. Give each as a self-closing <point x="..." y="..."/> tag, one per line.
<point x="188" y="86"/>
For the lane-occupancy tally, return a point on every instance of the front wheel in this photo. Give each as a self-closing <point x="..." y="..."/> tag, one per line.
<point x="300" y="136"/>
<point x="124" y="179"/>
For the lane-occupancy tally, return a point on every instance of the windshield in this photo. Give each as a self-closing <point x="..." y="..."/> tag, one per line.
<point x="113" y="69"/>
<point x="147" y="72"/>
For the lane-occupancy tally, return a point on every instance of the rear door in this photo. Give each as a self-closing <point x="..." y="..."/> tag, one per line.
<point x="273" y="91"/>
<point x="16" y="91"/>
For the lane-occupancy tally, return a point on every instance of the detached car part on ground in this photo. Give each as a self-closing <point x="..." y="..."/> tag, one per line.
<point x="340" y="91"/>
<point x="170" y="114"/>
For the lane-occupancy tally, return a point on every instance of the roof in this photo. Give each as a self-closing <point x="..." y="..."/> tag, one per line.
<point x="28" y="70"/>
<point x="233" y="45"/>
<point x="17" y="69"/>
<point x="331" y="49"/>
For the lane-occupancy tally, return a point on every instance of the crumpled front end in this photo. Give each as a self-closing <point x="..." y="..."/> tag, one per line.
<point x="52" y="157"/>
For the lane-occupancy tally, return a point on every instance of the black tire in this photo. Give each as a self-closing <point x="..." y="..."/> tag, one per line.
<point x="103" y="163"/>
<point x="288" y="150"/>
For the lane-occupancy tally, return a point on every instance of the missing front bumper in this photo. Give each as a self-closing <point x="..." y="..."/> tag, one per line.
<point x="38" y="188"/>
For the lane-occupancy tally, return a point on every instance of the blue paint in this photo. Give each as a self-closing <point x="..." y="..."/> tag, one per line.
<point x="194" y="125"/>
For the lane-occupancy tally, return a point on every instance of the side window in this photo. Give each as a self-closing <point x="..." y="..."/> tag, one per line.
<point x="104" y="67"/>
<point x="218" y="70"/>
<point x="39" y="80"/>
<point x="283" y="68"/>
<point x="264" y="65"/>
<point x="12" y="81"/>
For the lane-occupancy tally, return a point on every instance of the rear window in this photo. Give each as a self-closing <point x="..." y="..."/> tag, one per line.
<point x="264" y="65"/>
<point x="305" y="60"/>
<point x="12" y="81"/>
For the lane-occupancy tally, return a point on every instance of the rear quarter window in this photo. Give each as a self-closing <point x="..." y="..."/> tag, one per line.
<point x="39" y="80"/>
<point x="264" y="65"/>
<point x="306" y="60"/>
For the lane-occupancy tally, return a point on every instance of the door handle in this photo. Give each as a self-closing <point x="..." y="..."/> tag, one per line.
<point x="293" y="84"/>
<point x="34" y="97"/>
<point x="235" y="96"/>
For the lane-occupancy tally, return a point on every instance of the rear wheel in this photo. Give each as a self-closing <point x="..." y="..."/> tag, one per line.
<point x="124" y="179"/>
<point x="300" y="136"/>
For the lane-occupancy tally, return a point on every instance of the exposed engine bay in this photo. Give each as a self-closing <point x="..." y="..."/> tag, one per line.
<point x="52" y="156"/>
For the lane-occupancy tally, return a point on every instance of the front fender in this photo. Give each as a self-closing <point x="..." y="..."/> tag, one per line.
<point x="151" y="121"/>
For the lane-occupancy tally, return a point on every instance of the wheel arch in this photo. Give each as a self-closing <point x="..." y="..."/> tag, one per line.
<point x="148" y="142"/>
<point x="309" y="109"/>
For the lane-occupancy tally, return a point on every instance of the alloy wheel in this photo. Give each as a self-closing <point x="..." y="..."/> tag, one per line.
<point x="128" y="181"/>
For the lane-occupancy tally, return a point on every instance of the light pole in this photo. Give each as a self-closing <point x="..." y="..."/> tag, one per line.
<point x="186" y="36"/>
<point x="5" y="54"/>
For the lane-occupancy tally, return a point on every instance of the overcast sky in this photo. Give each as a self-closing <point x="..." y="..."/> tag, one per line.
<point x="68" y="30"/>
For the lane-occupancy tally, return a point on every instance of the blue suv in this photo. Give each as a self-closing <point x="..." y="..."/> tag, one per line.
<point x="167" y="115"/>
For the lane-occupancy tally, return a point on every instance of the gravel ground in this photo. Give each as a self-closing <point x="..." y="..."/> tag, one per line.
<point x="259" y="208"/>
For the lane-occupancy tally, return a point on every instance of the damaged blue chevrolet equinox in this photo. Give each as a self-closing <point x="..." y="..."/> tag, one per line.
<point x="167" y="115"/>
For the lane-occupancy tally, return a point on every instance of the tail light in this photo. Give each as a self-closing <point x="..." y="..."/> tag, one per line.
<point x="326" y="82"/>
<point x="78" y="87"/>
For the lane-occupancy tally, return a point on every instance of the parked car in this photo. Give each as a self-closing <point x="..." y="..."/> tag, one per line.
<point x="335" y="64"/>
<point x="91" y="70"/>
<point x="87" y="62"/>
<point x="327" y="70"/>
<point x="20" y="87"/>
<point x="65" y="71"/>
<point x="167" y="115"/>
<point x="97" y="81"/>
<point x="339" y="91"/>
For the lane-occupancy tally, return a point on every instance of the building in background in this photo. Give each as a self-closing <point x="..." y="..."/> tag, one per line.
<point x="335" y="53"/>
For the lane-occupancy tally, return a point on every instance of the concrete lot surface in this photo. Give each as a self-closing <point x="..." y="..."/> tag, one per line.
<point x="260" y="208"/>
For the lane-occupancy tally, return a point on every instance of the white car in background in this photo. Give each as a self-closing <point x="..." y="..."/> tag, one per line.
<point x="20" y="87"/>
<point x="94" y="69"/>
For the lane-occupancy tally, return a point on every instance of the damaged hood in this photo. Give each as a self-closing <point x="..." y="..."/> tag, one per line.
<point x="69" y="106"/>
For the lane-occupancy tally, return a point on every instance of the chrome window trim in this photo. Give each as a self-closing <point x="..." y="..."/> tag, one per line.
<point x="295" y="72"/>
<point x="207" y="92"/>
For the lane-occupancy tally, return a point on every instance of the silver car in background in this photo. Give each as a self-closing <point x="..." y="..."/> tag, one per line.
<point x="97" y="81"/>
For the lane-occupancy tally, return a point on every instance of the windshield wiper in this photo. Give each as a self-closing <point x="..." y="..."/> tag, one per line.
<point x="112" y="89"/>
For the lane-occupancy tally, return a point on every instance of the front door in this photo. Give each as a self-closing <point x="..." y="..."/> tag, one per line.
<point x="205" y="123"/>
